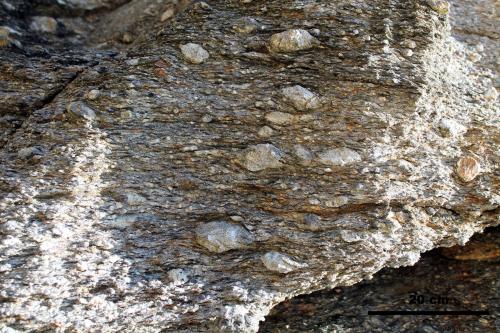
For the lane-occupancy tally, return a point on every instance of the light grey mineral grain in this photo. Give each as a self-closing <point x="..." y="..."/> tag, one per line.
<point x="80" y="110"/>
<point x="300" y="98"/>
<point x="134" y="199"/>
<point x="265" y="131"/>
<point x="312" y="222"/>
<point x="279" y="118"/>
<point x="491" y="94"/>
<point x="291" y="40"/>
<point x="245" y="25"/>
<point x="29" y="152"/>
<point x="93" y="94"/>
<point x="339" y="157"/>
<point x="451" y="128"/>
<point x="305" y="155"/>
<point x="220" y="236"/>
<point x="281" y="263"/>
<point x="9" y="226"/>
<point x="43" y="24"/>
<point x="178" y="276"/>
<point x="207" y="118"/>
<point x="194" y="53"/>
<point x="350" y="236"/>
<point x="263" y="156"/>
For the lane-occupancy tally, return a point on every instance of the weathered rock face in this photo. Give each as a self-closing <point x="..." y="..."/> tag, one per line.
<point x="444" y="285"/>
<point x="143" y="192"/>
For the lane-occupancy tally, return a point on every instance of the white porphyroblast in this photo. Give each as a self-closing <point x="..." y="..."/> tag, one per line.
<point x="280" y="262"/>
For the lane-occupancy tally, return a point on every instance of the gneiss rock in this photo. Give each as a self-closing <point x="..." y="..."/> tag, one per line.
<point x="261" y="157"/>
<point x="291" y="40"/>
<point x="194" y="53"/>
<point x="222" y="236"/>
<point x="280" y="262"/>
<point x="160" y="219"/>
<point x="301" y="98"/>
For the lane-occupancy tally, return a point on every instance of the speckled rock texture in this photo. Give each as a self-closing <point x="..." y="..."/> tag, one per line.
<point x="143" y="192"/>
<point x="441" y="285"/>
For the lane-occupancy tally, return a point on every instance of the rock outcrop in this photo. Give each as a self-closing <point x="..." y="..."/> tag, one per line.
<point x="315" y="143"/>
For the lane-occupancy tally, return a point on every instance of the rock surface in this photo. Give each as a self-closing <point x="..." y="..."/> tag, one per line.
<point x="98" y="223"/>
<point x="438" y="283"/>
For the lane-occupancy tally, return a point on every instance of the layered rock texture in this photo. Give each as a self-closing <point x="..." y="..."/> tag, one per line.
<point x="168" y="166"/>
<point x="468" y="282"/>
